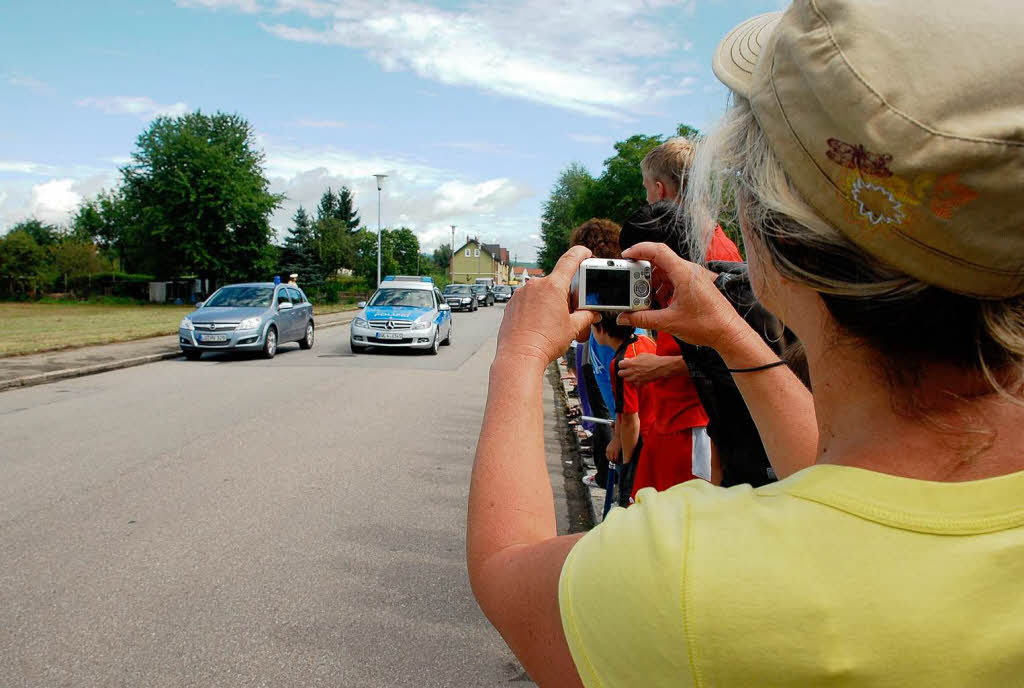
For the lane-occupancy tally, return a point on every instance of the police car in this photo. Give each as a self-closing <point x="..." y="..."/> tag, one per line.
<point x="405" y="311"/>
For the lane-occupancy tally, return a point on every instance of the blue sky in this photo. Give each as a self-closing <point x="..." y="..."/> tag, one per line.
<point x="472" y="108"/>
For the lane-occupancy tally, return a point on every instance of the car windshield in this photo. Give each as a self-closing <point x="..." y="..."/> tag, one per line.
<point x="241" y="297"/>
<point x="503" y="289"/>
<point x="459" y="290"/>
<point x="416" y="298"/>
<point x="480" y="288"/>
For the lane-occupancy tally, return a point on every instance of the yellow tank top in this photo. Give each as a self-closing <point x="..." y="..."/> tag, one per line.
<point x="835" y="576"/>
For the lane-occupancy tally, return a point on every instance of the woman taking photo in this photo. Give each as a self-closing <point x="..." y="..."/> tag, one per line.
<point x="877" y="151"/>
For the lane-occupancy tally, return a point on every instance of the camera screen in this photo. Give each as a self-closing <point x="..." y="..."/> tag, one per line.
<point x="607" y="288"/>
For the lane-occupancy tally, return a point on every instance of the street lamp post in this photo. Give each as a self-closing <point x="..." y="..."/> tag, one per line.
<point x="380" y="183"/>
<point x="453" y="254"/>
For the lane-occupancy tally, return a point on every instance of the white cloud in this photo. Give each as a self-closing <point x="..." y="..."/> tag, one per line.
<point x="54" y="200"/>
<point x="614" y="66"/>
<point x="140" y="106"/>
<point x="24" y="167"/>
<point x="424" y="198"/>
<point x="31" y="83"/>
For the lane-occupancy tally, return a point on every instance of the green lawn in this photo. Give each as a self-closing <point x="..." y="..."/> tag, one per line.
<point x="33" y="327"/>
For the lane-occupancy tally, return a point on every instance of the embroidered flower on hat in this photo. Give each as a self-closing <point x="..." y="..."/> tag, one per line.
<point x="877" y="203"/>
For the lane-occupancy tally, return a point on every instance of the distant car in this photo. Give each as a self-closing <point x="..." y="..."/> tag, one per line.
<point x="483" y="294"/>
<point x="407" y="313"/>
<point x="259" y="316"/>
<point x="461" y="297"/>
<point x="502" y="292"/>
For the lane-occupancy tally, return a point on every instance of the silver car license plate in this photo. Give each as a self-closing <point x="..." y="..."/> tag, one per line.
<point x="213" y="337"/>
<point x="389" y="335"/>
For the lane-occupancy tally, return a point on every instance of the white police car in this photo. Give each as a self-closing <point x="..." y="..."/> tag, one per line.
<point x="404" y="312"/>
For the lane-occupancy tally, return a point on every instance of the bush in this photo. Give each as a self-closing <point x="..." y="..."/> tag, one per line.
<point x="117" y="284"/>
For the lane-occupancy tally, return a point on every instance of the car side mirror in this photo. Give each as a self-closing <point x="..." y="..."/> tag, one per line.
<point x="285" y="306"/>
<point x="444" y="307"/>
<point x="361" y="304"/>
<point x="200" y="305"/>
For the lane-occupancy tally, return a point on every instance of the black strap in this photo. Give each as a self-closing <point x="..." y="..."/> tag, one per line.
<point x="766" y="366"/>
<point x="617" y="381"/>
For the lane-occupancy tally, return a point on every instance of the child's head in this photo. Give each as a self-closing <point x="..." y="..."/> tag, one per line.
<point x="600" y="236"/>
<point x="659" y="223"/>
<point x="665" y="169"/>
<point x="608" y="332"/>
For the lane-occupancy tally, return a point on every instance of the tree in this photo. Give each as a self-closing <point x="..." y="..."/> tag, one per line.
<point x="197" y="201"/>
<point x="300" y="253"/>
<point x="338" y="206"/>
<point x="405" y="249"/>
<point x="104" y="221"/>
<point x="21" y="261"/>
<point x="42" y="234"/>
<point x="73" y="257"/>
<point x="442" y="257"/>
<point x="562" y="212"/>
<point x="335" y="244"/>
<point x="616" y="194"/>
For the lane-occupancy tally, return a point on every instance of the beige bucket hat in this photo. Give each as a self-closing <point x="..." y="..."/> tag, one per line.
<point x="902" y="123"/>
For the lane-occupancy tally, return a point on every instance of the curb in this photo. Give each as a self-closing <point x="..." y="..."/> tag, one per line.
<point x="82" y="371"/>
<point x="572" y="402"/>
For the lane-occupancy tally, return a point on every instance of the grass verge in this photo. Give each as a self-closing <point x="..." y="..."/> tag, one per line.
<point x="36" y="327"/>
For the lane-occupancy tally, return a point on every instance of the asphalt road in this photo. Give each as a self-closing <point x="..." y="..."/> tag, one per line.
<point x="241" y="522"/>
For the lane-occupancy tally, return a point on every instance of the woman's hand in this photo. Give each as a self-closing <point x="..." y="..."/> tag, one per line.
<point x="538" y="324"/>
<point x="697" y="312"/>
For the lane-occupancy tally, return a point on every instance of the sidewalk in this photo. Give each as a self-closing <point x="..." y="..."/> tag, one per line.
<point x="37" y="369"/>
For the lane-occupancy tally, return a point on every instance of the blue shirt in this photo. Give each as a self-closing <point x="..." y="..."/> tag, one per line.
<point x="601" y="358"/>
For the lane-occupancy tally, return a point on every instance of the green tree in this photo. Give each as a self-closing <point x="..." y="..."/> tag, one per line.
<point x="21" y="262"/>
<point x="366" y="256"/>
<point x="72" y="257"/>
<point x="562" y="211"/>
<point x="335" y="244"/>
<point x="442" y="257"/>
<point x="197" y="201"/>
<point x="42" y="234"/>
<point x="300" y="253"/>
<point x="405" y="250"/>
<point x="339" y="206"/>
<point x="103" y="221"/>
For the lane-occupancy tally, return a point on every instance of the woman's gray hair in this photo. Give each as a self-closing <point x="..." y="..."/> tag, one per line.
<point x="869" y="299"/>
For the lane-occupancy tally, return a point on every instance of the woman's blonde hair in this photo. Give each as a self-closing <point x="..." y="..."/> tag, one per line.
<point x="906" y="320"/>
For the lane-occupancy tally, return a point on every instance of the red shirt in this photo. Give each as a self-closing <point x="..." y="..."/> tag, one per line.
<point x="677" y="406"/>
<point x="630" y="397"/>
<point x="723" y="248"/>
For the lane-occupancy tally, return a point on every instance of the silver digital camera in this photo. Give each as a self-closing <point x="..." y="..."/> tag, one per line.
<point x="606" y="284"/>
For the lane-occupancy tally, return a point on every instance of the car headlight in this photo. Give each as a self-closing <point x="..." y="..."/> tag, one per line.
<point x="359" y="322"/>
<point x="250" y="323"/>
<point x="424" y="323"/>
<point x="186" y="324"/>
<point x="467" y="300"/>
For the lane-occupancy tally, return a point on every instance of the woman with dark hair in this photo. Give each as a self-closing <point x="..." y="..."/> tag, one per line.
<point x="878" y="152"/>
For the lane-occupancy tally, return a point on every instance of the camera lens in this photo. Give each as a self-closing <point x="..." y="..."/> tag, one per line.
<point x="611" y="262"/>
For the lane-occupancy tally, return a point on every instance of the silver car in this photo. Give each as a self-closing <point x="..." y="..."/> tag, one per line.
<point x="248" y="317"/>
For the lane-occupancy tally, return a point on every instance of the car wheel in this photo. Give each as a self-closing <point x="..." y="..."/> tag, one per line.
<point x="356" y="348"/>
<point x="307" y="341"/>
<point x="270" y="343"/>
<point x="434" y="345"/>
<point x="192" y="355"/>
<point x="448" y="340"/>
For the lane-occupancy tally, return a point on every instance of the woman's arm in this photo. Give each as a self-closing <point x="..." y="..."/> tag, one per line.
<point x="513" y="552"/>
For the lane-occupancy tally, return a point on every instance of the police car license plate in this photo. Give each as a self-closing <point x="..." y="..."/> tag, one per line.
<point x="389" y="335"/>
<point x="213" y="337"/>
